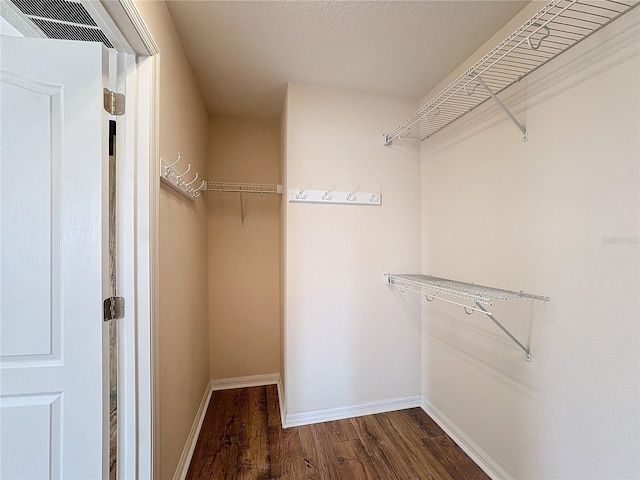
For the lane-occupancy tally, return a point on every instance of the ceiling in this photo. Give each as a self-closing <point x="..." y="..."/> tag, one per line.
<point x="243" y="53"/>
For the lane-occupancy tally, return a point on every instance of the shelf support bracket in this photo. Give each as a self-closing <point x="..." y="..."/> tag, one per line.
<point x="525" y="135"/>
<point x="526" y="350"/>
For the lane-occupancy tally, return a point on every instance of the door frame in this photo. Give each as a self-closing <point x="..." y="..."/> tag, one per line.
<point x="138" y="74"/>
<point x="139" y="208"/>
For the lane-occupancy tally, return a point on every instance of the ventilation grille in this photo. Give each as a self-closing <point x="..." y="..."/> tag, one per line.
<point x="63" y="20"/>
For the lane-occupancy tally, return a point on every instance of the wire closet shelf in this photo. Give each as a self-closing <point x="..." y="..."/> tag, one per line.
<point x="243" y="187"/>
<point x="552" y="30"/>
<point x="466" y="291"/>
<point x="434" y="288"/>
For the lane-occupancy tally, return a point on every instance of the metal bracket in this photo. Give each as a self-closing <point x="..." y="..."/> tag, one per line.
<point x="525" y="135"/>
<point x="241" y="210"/>
<point x="113" y="102"/>
<point x="113" y="308"/>
<point x="526" y="350"/>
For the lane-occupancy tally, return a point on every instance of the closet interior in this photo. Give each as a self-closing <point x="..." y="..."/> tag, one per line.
<point x="286" y="234"/>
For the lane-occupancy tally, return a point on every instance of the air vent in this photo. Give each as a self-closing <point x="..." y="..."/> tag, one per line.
<point x="63" y="20"/>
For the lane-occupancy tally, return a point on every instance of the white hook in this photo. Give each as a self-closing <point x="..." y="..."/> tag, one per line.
<point x="326" y="195"/>
<point x="168" y="172"/>
<point x="188" y="185"/>
<point x="197" y="190"/>
<point x="374" y="196"/>
<point x="179" y="179"/>
<point x="351" y="197"/>
<point x="301" y="195"/>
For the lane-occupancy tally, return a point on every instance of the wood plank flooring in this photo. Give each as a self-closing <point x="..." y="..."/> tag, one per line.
<point x="242" y="439"/>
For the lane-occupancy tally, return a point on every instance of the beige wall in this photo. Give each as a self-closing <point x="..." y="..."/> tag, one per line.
<point x="244" y="274"/>
<point x="542" y="216"/>
<point x="349" y="340"/>
<point x="182" y="369"/>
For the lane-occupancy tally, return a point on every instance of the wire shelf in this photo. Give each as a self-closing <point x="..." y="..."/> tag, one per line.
<point x="469" y="291"/>
<point x="552" y="30"/>
<point x="244" y="187"/>
<point x="435" y="288"/>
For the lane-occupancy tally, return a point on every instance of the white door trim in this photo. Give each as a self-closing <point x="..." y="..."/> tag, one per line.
<point x="124" y="18"/>
<point x="147" y="261"/>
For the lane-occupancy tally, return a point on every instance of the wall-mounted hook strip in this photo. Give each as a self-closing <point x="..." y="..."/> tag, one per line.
<point x="328" y="196"/>
<point x="177" y="181"/>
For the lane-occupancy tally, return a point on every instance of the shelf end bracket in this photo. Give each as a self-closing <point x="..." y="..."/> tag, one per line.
<point x="525" y="135"/>
<point x="526" y="350"/>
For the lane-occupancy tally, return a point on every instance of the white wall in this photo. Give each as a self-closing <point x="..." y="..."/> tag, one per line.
<point x="182" y="372"/>
<point x="349" y="339"/>
<point x="244" y="274"/>
<point x="542" y="216"/>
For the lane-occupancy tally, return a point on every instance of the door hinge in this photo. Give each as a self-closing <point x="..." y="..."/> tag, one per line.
<point x="113" y="308"/>
<point x="113" y="102"/>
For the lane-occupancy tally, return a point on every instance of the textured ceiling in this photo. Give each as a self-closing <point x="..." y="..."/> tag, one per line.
<point x="243" y="53"/>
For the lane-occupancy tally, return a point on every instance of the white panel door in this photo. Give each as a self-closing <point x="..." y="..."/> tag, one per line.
<point x="53" y="161"/>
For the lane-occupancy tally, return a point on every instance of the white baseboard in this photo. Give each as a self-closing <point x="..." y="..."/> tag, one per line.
<point x="281" y="401"/>
<point x="243" y="382"/>
<point x="482" y="459"/>
<point x="330" y="414"/>
<point x="192" y="439"/>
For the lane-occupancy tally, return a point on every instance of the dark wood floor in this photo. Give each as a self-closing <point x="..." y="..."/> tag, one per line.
<point x="242" y="438"/>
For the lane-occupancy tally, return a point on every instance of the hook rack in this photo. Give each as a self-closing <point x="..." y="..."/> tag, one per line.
<point x="434" y="287"/>
<point x="326" y="195"/>
<point x="169" y="176"/>
<point x="556" y="27"/>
